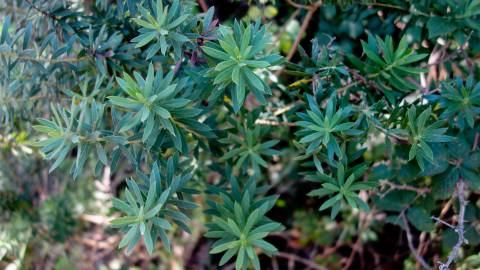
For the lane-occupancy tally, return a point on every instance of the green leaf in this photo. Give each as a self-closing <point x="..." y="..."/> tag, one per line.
<point x="330" y="202"/>
<point x="124" y="220"/>
<point x="147" y="237"/>
<point x="253" y="80"/>
<point x="240" y="258"/>
<point x="420" y="219"/>
<point x="265" y="245"/>
<point x="122" y="206"/>
<point x="214" y="53"/>
<point x="129" y="236"/>
<point x="165" y="114"/>
<point x="228" y="255"/>
<point x="163" y="223"/>
<point x="223" y="247"/>
<point x="372" y="55"/>
<point x="438" y="26"/>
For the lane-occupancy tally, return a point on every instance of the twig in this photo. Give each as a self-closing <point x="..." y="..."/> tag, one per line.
<point x="363" y="223"/>
<point x="413" y="11"/>
<point x="345" y="87"/>
<point x="274" y="123"/>
<point x="285" y="108"/>
<point x="108" y="243"/>
<point x="95" y="219"/>
<point x="297" y="5"/>
<point x="412" y="248"/>
<point x="445" y="208"/>
<point x="388" y="133"/>
<point x="178" y="65"/>
<point x="387" y="6"/>
<point x="284" y="26"/>
<point x="293" y="257"/>
<point x="443" y="222"/>
<point x="367" y="81"/>
<point x="475" y="141"/>
<point x="422" y="247"/>
<point x="306" y="21"/>
<point x="392" y="186"/>
<point x="355" y="248"/>
<point x="459" y="229"/>
<point x="43" y="12"/>
<point x="203" y="5"/>
<point x="303" y="28"/>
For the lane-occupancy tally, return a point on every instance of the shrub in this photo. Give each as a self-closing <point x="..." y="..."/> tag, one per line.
<point x="384" y="121"/>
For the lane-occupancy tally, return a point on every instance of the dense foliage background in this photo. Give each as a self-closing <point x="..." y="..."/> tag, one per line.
<point x="224" y="134"/>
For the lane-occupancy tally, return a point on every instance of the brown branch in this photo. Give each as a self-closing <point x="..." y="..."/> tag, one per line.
<point x="443" y="222"/>
<point x="392" y="186"/>
<point x="422" y="247"/>
<point x="109" y="243"/>
<point x="367" y="81"/>
<point x="284" y="26"/>
<point x="285" y="109"/>
<point x="345" y="87"/>
<point x="306" y="21"/>
<point x="95" y="219"/>
<point x="178" y="65"/>
<point x="303" y="28"/>
<point x="459" y="229"/>
<point x="293" y="257"/>
<point x="363" y="223"/>
<point x="412" y="248"/>
<point x="388" y="133"/>
<point x="445" y="208"/>
<point x="266" y="122"/>
<point x="297" y="5"/>
<point x="475" y="142"/>
<point x="414" y="11"/>
<point x="203" y="5"/>
<point x="386" y="6"/>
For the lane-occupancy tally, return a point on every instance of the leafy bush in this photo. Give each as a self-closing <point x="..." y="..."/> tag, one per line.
<point x="208" y="123"/>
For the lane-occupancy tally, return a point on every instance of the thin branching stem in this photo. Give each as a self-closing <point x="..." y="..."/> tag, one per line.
<point x="412" y="248"/>
<point x="390" y="186"/>
<point x="459" y="229"/>
<point x="301" y="260"/>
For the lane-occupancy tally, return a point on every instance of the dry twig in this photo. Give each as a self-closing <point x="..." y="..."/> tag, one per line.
<point x="303" y="28"/>
<point x="459" y="229"/>
<point x="392" y="186"/>
<point x="203" y="5"/>
<point x="412" y="248"/>
<point x="295" y="258"/>
<point x="274" y="123"/>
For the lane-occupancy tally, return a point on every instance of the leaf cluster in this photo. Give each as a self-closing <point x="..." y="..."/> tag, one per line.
<point x="342" y="187"/>
<point x="239" y="221"/>
<point x="238" y="57"/>
<point x="150" y="206"/>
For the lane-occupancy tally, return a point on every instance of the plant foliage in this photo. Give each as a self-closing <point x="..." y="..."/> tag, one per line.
<point x="239" y="221"/>
<point x="216" y="121"/>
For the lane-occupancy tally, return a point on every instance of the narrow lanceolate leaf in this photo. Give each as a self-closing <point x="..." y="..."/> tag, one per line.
<point x="124" y="102"/>
<point x="330" y="202"/>
<point x="223" y="247"/>
<point x="129" y="236"/>
<point x="217" y="54"/>
<point x="124" y="220"/>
